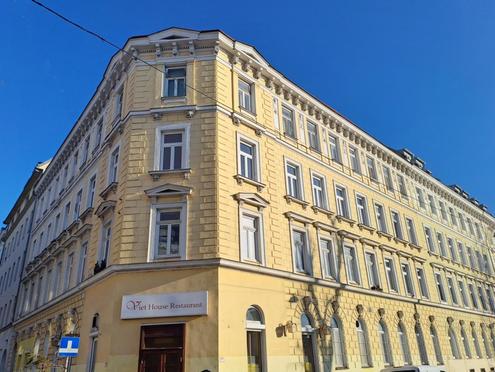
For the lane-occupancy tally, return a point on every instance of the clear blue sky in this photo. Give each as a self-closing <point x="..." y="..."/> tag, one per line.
<point x="416" y="74"/>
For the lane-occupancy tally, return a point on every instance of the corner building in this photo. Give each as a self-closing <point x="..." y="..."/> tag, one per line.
<point x="205" y="213"/>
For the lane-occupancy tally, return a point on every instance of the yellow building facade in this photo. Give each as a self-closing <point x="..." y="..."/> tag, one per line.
<point x="206" y="214"/>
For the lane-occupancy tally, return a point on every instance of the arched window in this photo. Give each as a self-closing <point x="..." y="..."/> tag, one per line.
<point x="421" y="344"/>
<point x="309" y="343"/>
<point x="255" y="328"/>
<point x="453" y="344"/>
<point x="362" y="336"/>
<point x="476" y="342"/>
<point x="93" y="347"/>
<point x="436" y="345"/>
<point x="465" y="343"/>
<point x="337" y="342"/>
<point x="404" y="344"/>
<point x="486" y="344"/>
<point x="385" y="343"/>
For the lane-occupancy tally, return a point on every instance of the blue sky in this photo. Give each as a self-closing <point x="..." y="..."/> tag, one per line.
<point x="415" y="74"/>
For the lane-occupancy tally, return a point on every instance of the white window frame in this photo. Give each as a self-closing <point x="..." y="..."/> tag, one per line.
<point x="166" y="81"/>
<point x="82" y="260"/>
<point x="336" y="144"/>
<point x="324" y="201"/>
<point x="424" y="281"/>
<point x="411" y="231"/>
<point x="364" y="221"/>
<point x="90" y="200"/>
<point x="372" y="269"/>
<point x="371" y="167"/>
<point x="307" y="259"/>
<point x="393" y="273"/>
<point x="244" y="96"/>
<point x="383" y="217"/>
<point x="439" y="283"/>
<point x="398" y="231"/>
<point x="387" y="175"/>
<point x="354" y="159"/>
<point x="326" y="263"/>
<point x="101" y="247"/>
<point x="345" y="201"/>
<point x="299" y="178"/>
<point x="186" y="138"/>
<point x="114" y="166"/>
<point x="317" y="145"/>
<point x="153" y="236"/>
<point x="292" y="120"/>
<point x="347" y="264"/>
<point x="260" y="244"/>
<point x="405" y="281"/>
<point x="255" y="157"/>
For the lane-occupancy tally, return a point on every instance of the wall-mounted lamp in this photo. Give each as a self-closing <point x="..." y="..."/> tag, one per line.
<point x="293" y="299"/>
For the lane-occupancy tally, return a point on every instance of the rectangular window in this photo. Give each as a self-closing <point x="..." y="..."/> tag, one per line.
<point x="351" y="264"/>
<point x="380" y="218"/>
<point x="175" y="82"/>
<point x="462" y="292"/>
<point x="479" y="234"/>
<point x="470" y="225"/>
<point x="328" y="258"/>
<point x="66" y="216"/>
<point x="387" y="175"/>
<point x="452" y="291"/>
<point x="106" y="240"/>
<point x="354" y="159"/>
<point x="362" y="209"/>
<point x="99" y="133"/>
<point x="119" y="97"/>
<point x="452" y="216"/>
<point x="391" y="275"/>
<point x="452" y="251"/>
<point x="83" y="253"/>
<point x="288" y="122"/>
<point x="421" y="198"/>
<point x="313" y="137"/>
<point x="170" y="235"/>
<point x="334" y="148"/>
<point x="443" y="210"/>
<point x="77" y="205"/>
<point x="68" y="271"/>
<point x="462" y="254"/>
<point x="91" y="192"/>
<point x="433" y="206"/>
<point x="87" y="142"/>
<point x="248" y="160"/>
<point x="441" y="291"/>
<point x="429" y="240"/>
<point x="462" y="221"/>
<point x="372" y="173"/>
<point x="56" y="226"/>
<point x="472" y="263"/>
<point x="49" y="286"/>
<point x="114" y="166"/>
<point x="294" y="184"/>
<point x="75" y="163"/>
<point x="441" y="244"/>
<point x="301" y="252"/>
<point x="342" y="202"/>
<point x="406" y="274"/>
<point x="172" y="149"/>
<point x="397" y="225"/>
<point x="472" y="293"/>
<point x="319" y="191"/>
<point x="423" y="287"/>
<point x="411" y="231"/>
<point x="57" y="279"/>
<point x="402" y="185"/>
<point x="372" y="268"/>
<point x="246" y="96"/>
<point x="251" y="237"/>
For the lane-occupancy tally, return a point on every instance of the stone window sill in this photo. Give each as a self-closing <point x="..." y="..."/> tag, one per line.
<point x="156" y="174"/>
<point x="241" y="179"/>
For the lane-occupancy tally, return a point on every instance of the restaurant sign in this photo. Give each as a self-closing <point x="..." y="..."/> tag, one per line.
<point x="164" y="305"/>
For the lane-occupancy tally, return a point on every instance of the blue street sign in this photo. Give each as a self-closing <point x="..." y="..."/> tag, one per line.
<point x="68" y="346"/>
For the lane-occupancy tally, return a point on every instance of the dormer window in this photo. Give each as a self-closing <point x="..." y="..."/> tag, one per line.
<point x="175" y="82"/>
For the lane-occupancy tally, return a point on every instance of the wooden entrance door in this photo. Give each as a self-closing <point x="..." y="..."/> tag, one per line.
<point x="162" y="348"/>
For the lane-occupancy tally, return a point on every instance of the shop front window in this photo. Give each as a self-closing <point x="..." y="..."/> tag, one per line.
<point x="255" y="332"/>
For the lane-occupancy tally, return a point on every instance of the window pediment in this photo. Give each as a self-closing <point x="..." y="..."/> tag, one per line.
<point x="104" y="207"/>
<point x="168" y="190"/>
<point x="251" y="199"/>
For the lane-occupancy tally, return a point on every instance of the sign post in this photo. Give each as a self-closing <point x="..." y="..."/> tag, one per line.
<point x="68" y="348"/>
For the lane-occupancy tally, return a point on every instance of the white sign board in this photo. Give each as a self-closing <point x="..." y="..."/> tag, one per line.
<point x="163" y="305"/>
